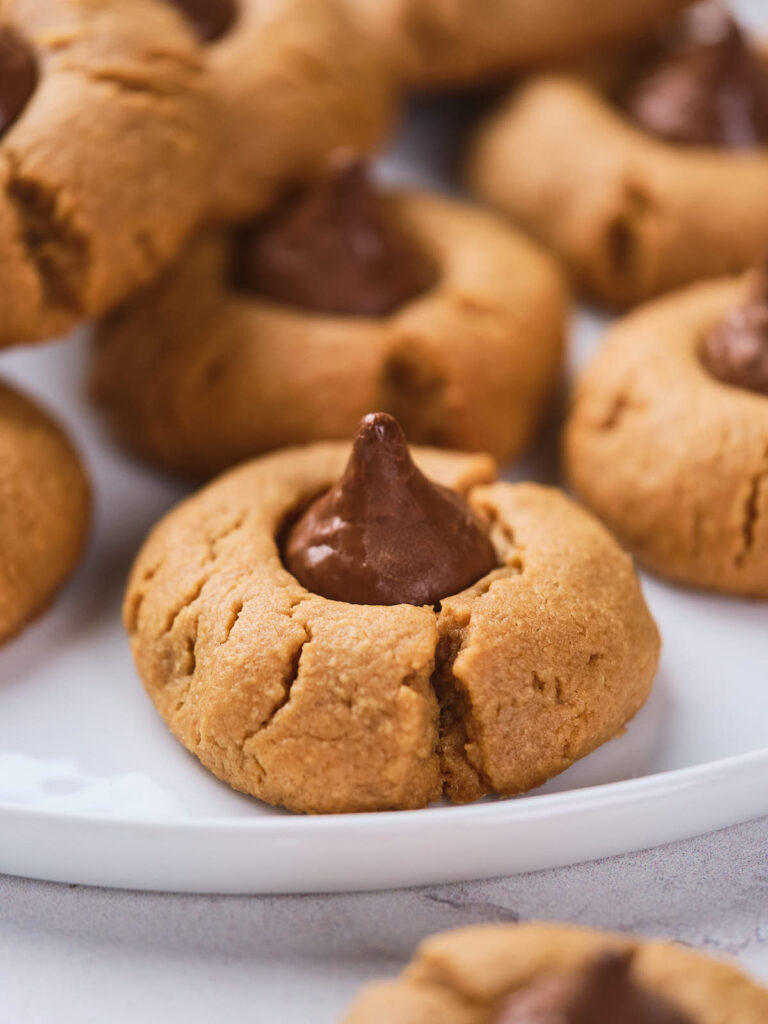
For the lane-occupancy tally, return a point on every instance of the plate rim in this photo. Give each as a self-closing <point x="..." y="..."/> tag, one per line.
<point x="521" y="808"/>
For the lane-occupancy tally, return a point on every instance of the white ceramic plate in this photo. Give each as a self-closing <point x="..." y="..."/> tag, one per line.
<point x="93" y="788"/>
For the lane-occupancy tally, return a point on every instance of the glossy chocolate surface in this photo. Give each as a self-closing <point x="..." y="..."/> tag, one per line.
<point x="708" y="92"/>
<point x="18" y="75"/>
<point x="603" y="994"/>
<point x="211" y="19"/>
<point x="736" y="350"/>
<point x="336" y="248"/>
<point x="384" y="534"/>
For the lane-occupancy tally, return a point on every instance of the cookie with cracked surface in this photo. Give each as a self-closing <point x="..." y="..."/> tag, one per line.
<point x="44" y="510"/>
<point x="293" y="80"/>
<point x="94" y="97"/>
<point x="322" y="705"/>
<point x="541" y="973"/>
<point x="645" y="176"/>
<point x="199" y="373"/>
<point x="448" y="42"/>
<point x="668" y="443"/>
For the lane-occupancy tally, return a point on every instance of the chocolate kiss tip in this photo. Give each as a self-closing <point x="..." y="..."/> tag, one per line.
<point x="384" y="534"/>
<point x="380" y="427"/>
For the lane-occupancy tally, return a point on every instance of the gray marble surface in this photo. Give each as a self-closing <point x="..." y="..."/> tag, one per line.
<point x="73" y="955"/>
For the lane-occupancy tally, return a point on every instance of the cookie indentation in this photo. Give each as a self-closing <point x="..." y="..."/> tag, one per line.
<point x="59" y="251"/>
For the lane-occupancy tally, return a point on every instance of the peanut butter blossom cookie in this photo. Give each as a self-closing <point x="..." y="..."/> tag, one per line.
<point x="357" y="631"/>
<point x="652" y="178"/>
<point x="444" y="42"/>
<point x="44" y="510"/>
<point x="95" y="97"/>
<point x="555" y="974"/>
<point x="342" y="299"/>
<point x="668" y="437"/>
<point x="293" y="80"/>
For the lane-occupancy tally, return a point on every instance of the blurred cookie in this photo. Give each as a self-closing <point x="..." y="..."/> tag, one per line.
<point x="293" y="80"/>
<point x="547" y="973"/>
<point x="339" y="631"/>
<point x="450" y="42"/>
<point x="44" y="510"/>
<point x="667" y="440"/>
<point x="343" y="300"/>
<point x="643" y="182"/>
<point x="104" y="156"/>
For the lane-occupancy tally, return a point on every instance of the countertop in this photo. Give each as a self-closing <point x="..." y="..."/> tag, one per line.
<point x="74" y="955"/>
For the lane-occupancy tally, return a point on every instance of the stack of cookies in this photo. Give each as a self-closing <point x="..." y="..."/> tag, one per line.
<point x="356" y="614"/>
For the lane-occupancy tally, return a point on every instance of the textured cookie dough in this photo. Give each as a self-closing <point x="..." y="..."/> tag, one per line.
<point x="323" y="706"/>
<point x="448" y="42"/>
<point x="631" y="216"/>
<point x="44" y="510"/>
<point x="105" y="170"/>
<point x="461" y="977"/>
<point x="196" y="376"/>
<point x="674" y="461"/>
<point x="293" y="80"/>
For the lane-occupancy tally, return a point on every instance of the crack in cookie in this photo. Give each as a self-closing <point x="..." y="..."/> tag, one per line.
<point x="752" y="513"/>
<point x="57" y="249"/>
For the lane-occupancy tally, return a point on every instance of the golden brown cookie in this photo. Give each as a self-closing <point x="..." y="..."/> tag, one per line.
<point x="324" y="706"/>
<point x="447" y="42"/>
<point x="674" y="461"/>
<point x="104" y="164"/>
<point x="44" y="510"/>
<point x="195" y="375"/>
<point x="293" y="80"/>
<point x="630" y="214"/>
<point x="464" y="976"/>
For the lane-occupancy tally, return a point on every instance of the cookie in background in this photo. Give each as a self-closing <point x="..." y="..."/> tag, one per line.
<point x="45" y="510"/>
<point x="547" y="973"/>
<point x="445" y="43"/>
<point x="292" y="80"/>
<point x="644" y="173"/>
<point x="345" y="297"/>
<point x="667" y="438"/>
<point x="90" y="108"/>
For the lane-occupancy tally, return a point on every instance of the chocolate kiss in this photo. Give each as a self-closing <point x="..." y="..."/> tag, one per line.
<point x="18" y="75"/>
<point x="211" y="19"/>
<point x="384" y="534"/>
<point x="335" y="249"/>
<point x="736" y="350"/>
<point x="602" y="994"/>
<point x="708" y="94"/>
